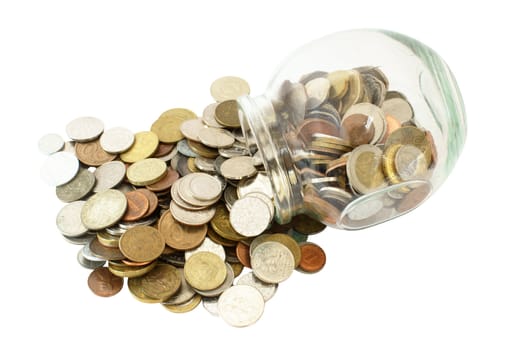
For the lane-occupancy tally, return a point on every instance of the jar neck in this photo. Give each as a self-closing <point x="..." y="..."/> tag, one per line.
<point x="258" y="121"/>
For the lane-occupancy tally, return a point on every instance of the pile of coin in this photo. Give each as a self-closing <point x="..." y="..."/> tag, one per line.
<point x="179" y="211"/>
<point x="348" y="136"/>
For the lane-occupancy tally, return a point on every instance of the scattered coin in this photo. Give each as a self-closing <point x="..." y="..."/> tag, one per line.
<point x="103" y="283"/>
<point x="238" y="168"/>
<point x="205" y="271"/>
<point x="186" y="306"/>
<point x="229" y="88"/>
<point x="68" y="219"/>
<point x="180" y="236"/>
<point x="267" y="290"/>
<point x="241" y="305"/>
<point x="91" y="153"/>
<point x="59" y="168"/>
<point x="272" y="262"/>
<point x="80" y="186"/>
<point x="215" y="137"/>
<point x="103" y="209"/>
<point x="84" y="129"/>
<point x="313" y="257"/>
<point x="142" y="243"/>
<point x="50" y="143"/>
<point x="226" y="114"/>
<point x="250" y="216"/>
<point x="109" y="175"/>
<point x="117" y="140"/>
<point x="146" y="171"/>
<point x="145" y="144"/>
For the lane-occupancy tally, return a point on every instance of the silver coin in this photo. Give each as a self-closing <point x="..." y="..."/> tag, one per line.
<point x="208" y="246"/>
<point x="399" y="108"/>
<point x="50" y="143"/>
<point x="229" y="88"/>
<point x="88" y="264"/>
<point x="211" y="305"/>
<point x="81" y="185"/>
<point x="250" y="216"/>
<point x="317" y="91"/>
<point x="268" y="201"/>
<point x="205" y="164"/>
<point x="68" y="219"/>
<point x="237" y="168"/>
<point x="193" y="218"/>
<point x="104" y="209"/>
<point x="228" y="282"/>
<point x="257" y="241"/>
<point x="117" y="140"/>
<point x="209" y="116"/>
<point x="241" y="306"/>
<point x="267" y="290"/>
<point x="191" y="129"/>
<point x="410" y="163"/>
<point x="115" y="230"/>
<point x="59" y="168"/>
<point x="259" y="183"/>
<point x="230" y="196"/>
<point x="80" y="240"/>
<point x="204" y="187"/>
<point x="84" y="129"/>
<point x="216" y="138"/>
<point x="175" y="195"/>
<point x="144" y="222"/>
<point x="236" y="150"/>
<point x="218" y="162"/>
<point x="88" y="254"/>
<point x="109" y="175"/>
<point x="184" y="149"/>
<point x="183" y="168"/>
<point x="184" y="294"/>
<point x="272" y="262"/>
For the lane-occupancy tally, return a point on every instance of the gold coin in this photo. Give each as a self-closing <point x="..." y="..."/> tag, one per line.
<point x="222" y="226"/>
<point x="205" y="271"/>
<point x="388" y="164"/>
<point x="192" y="165"/>
<point x="142" y="243"/>
<point x="214" y="236"/>
<point x="135" y="287"/>
<point x="289" y="242"/>
<point x="167" y="126"/>
<point x="339" y="81"/>
<point x="184" y="307"/>
<point x="145" y="144"/>
<point x="237" y="268"/>
<point x="364" y="169"/>
<point x="161" y="282"/>
<point x="107" y="239"/>
<point x="226" y="113"/>
<point x="146" y="171"/>
<point x="123" y="270"/>
<point x="229" y="88"/>
<point x="411" y="135"/>
<point x="202" y="150"/>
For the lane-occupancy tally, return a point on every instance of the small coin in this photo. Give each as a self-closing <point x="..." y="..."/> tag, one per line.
<point x="68" y="219"/>
<point x="50" y="143"/>
<point x="137" y="206"/>
<point x="146" y="171"/>
<point x="117" y="140"/>
<point x="313" y="257"/>
<point x="142" y="243"/>
<point x="180" y="236"/>
<point x="88" y="264"/>
<point x="215" y="137"/>
<point x="187" y="306"/>
<point x="191" y="129"/>
<point x="135" y="288"/>
<point x="226" y="114"/>
<point x="80" y="186"/>
<point x="109" y="175"/>
<point x="84" y="129"/>
<point x="59" y="168"/>
<point x="272" y="262"/>
<point x="205" y="271"/>
<point x="267" y="290"/>
<point x="145" y="144"/>
<point x="241" y="305"/>
<point x="289" y="242"/>
<point x="193" y="218"/>
<point x="161" y="282"/>
<point x="91" y="153"/>
<point x="103" y="283"/>
<point x="250" y="216"/>
<point x="238" y="168"/>
<point x="229" y="88"/>
<point x="103" y="209"/>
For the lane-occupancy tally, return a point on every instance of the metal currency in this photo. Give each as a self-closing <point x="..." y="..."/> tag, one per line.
<point x="88" y="264"/>
<point x="137" y="206"/>
<point x="339" y="83"/>
<point x="267" y="290"/>
<point x="109" y="175"/>
<point x="161" y="282"/>
<point x="79" y="240"/>
<point x="191" y="128"/>
<point x="59" y="168"/>
<point x="107" y="239"/>
<point x="50" y="143"/>
<point x="249" y="216"/>
<point x="209" y="116"/>
<point x="207" y="246"/>
<point x="289" y="242"/>
<point x="237" y="168"/>
<point x="180" y="236"/>
<point x="272" y="262"/>
<point x="175" y="195"/>
<point x="242" y="253"/>
<point x="91" y="153"/>
<point x="410" y="163"/>
<point x="193" y="218"/>
<point x="229" y="88"/>
<point x="146" y="171"/>
<point x="241" y="305"/>
<point x="364" y="169"/>
<point x="205" y="271"/>
<point x="184" y="293"/>
<point x="165" y="182"/>
<point x="399" y="108"/>
<point x="142" y="243"/>
<point x="127" y="271"/>
<point x="145" y="144"/>
<point x="313" y="257"/>
<point x="201" y="150"/>
<point x="135" y="288"/>
<point x="98" y="250"/>
<point x="84" y="129"/>
<point x="205" y="164"/>
<point x="86" y="250"/>
<point x="411" y="135"/>
<point x="259" y="183"/>
<point x="187" y="306"/>
<point x="153" y="202"/>
<point x="230" y="196"/>
<point x="103" y="283"/>
<point x="68" y="219"/>
<point x="236" y="150"/>
<point x="117" y="140"/>
<point x="211" y="305"/>
<point x="268" y="201"/>
<point x="317" y="91"/>
<point x="204" y="187"/>
<point x="167" y="126"/>
<point x="228" y="282"/>
<point x="215" y="137"/>
<point x="226" y="114"/>
<point x="103" y="209"/>
<point x="79" y="187"/>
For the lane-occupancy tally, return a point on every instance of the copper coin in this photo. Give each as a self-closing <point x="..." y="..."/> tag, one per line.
<point x="103" y="252"/>
<point x="134" y="263"/>
<point x="138" y="206"/>
<point x="166" y="182"/>
<point x="91" y="153"/>
<point x="242" y="253"/>
<point x="357" y="129"/>
<point x="314" y="126"/>
<point x="103" y="283"/>
<point x="152" y="199"/>
<point x="313" y="257"/>
<point x="142" y="243"/>
<point x="178" y="235"/>
<point x="392" y="124"/>
<point x="163" y="149"/>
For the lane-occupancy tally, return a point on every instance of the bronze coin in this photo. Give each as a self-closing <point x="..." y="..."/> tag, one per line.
<point x="163" y="149"/>
<point x="313" y="257"/>
<point x="105" y="253"/>
<point x="242" y="253"/>
<point x="142" y="243"/>
<point x="91" y="153"/>
<point x="166" y="182"/>
<point x="315" y="126"/>
<point x="202" y="150"/>
<point x="103" y="283"/>
<point x="178" y="235"/>
<point x="138" y="206"/>
<point x="134" y="263"/>
<point x="392" y="124"/>
<point x="357" y="129"/>
<point x="152" y="199"/>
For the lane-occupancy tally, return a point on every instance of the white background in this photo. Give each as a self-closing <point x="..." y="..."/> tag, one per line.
<point x="438" y="278"/>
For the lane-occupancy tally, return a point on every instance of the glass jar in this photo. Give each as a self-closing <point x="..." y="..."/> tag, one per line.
<point x="357" y="128"/>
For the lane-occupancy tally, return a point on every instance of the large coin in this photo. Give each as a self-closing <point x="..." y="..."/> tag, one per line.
<point x="241" y="305"/>
<point x="250" y="216"/>
<point x="272" y="262"/>
<point x="226" y="114"/>
<point x="145" y="144"/>
<point x="238" y="168"/>
<point x="142" y="243"/>
<point x="205" y="271"/>
<point x="167" y="127"/>
<point x="104" y="209"/>
<point x="50" y="143"/>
